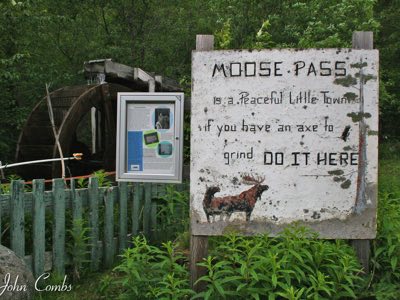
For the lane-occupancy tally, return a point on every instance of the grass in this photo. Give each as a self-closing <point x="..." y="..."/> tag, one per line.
<point x="89" y="288"/>
<point x="389" y="168"/>
<point x="389" y="176"/>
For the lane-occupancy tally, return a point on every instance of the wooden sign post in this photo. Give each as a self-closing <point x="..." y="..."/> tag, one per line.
<point x="199" y="243"/>
<point x="362" y="40"/>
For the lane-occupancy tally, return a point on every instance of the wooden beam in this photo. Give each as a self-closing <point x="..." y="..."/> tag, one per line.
<point x="186" y="172"/>
<point x="188" y="105"/>
<point x="141" y="75"/>
<point x="198" y="251"/>
<point x="152" y="85"/>
<point x="165" y="84"/>
<point x="204" y="42"/>
<point x="116" y="72"/>
<point x="362" y="248"/>
<point x="199" y="244"/>
<point x="94" y="129"/>
<point x="362" y="40"/>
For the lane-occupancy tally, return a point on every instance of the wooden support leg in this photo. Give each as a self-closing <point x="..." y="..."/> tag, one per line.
<point x="362" y="249"/>
<point x="362" y="40"/>
<point x="198" y="251"/>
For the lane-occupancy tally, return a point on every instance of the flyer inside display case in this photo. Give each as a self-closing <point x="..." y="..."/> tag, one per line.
<point x="150" y="137"/>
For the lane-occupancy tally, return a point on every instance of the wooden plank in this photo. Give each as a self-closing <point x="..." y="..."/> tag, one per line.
<point x="119" y="71"/>
<point x="76" y="202"/>
<point x="59" y="226"/>
<point x="153" y="221"/>
<point x="199" y="244"/>
<point x="17" y="221"/>
<point x="1" y="212"/>
<point x="116" y="72"/>
<point x="141" y="75"/>
<point x="110" y="197"/>
<point x="93" y="125"/>
<point x="147" y="209"/>
<point x="1" y="207"/>
<point x="165" y="84"/>
<point x="150" y="210"/>
<point x="123" y="215"/>
<point x="47" y="264"/>
<point x="159" y="82"/>
<point x="78" y="223"/>
<point x="92" y="67"/>
<point x="109" y="141"/>
<point x="204" y="42"/>
<point x="186" y="172"/>
<point x="39" y="239"/>
<point x="154" y="190"/>
<point x="187" y="108"/>
<point x="362" y="40"/>
<point x="362" y="248"/>
<point x="161" y="190"/>
<point x="137" y="199"/>
<point x="94" y="222"/>
<point x="152" y="85"/>
<point x="71" y="91"/>
<point x="198" y="251"/>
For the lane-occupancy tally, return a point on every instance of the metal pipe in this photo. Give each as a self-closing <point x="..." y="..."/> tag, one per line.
<point x="77" y="156"/>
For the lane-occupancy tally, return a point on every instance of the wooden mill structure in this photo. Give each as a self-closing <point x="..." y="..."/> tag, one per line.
<point x="85" y="119"/>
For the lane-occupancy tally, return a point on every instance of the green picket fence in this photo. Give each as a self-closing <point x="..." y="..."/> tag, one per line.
<point x="112" y="216"/>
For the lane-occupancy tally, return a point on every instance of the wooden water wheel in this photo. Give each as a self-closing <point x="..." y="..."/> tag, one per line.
<point x="85" y="118"/>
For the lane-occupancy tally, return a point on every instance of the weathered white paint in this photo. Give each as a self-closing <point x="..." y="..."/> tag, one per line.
<point x="307" y="193"/>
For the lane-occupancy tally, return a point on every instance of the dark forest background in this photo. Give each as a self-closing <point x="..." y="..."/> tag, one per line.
<point x="47" y="41"/>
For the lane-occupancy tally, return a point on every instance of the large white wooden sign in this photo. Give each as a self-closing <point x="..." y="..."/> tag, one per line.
<point x="284" y="135"/>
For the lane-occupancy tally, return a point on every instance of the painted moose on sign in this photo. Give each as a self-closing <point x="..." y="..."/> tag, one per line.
<point x="244" y="202"/>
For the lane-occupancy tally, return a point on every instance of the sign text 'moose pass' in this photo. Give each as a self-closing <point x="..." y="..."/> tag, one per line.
<point x="284" y="135"/>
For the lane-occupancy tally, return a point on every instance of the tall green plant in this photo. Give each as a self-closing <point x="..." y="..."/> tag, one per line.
<point x="102" y="176"/>
<point x="149" y="272"/>
<point x="386" y="248"/>
<point x="173" y="213"/>
<point x="78" y="247"/>
<point x="295" y="265"/>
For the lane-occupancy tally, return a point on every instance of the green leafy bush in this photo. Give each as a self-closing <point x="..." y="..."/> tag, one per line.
<point x="78" y="247"/>
<point x="173" y="213"/>
<point x="386" y="254"/>
<point x="295" y="265"/>
<point x="149" y="272"/>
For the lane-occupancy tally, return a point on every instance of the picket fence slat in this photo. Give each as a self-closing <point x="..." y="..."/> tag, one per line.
<point x="76" y="199"/>
<point x="137" y="199"/>
<point x="123" y="213"/>
<point x="59" y="226"/>
<point x="153" y="220"/>
<point x="154" y="190"/>
<point x="1" y="212"/>
<point x="110" y="198"/>
<point x="17" y="220"/>
<point x="39" y="238"/>
<point x="94" y="222"/>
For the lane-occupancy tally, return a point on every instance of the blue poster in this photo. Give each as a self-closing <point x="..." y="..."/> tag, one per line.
<point x="135" y="151"/>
